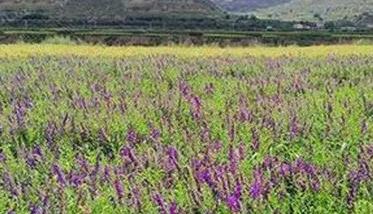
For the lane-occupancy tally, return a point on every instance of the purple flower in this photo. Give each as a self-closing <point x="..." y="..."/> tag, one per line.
<point x="185" y="89"/>
<point x="171" y="162"/>
<point x="20" y="112"/>
<point x="31" y="161"/>
<point x="119" y="189"/>
<point x="205" y="135"/>
<point x="127" y="154"/>
<point x="159" y="201"/>
<point x="233" y="160"/>
<point x="83" y="163"/>
<point x="9" y="184"/>
<point x="270" y="162"/>
<point x="215" y="146"/>
<point x="173" y="208"/>
<point x="76" y="179"/>
<point x="136" y="200"/>
<point x="285" y="169"/>
<point x="50" y="133"/>
<point x="257" y="187"/>
<point x="354" y="180"/>
<point x="37" y="151"/>
<point x="196" y="107"/>
<point x="315" y="184"/>
<point x="155" y="134"/>
<point x="172" y="154"/>
<point x="107" y="174"/>
<point x="233" y="203"/>
<point x="241" y="151"/>
<point x="234" y="200"/>
<point x="244" y="114"/>
<point x="238" y="190"/>
<point x="34" y="209"/>
<point x="57" y="171"/>
<point x="204" y="176"/>
<point x="294" y="126"/>
<point x="131" y="136"/>
<point x="220" y="171"/>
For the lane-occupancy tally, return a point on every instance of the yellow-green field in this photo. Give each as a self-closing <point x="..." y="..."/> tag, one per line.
<point x="26" y="50"/>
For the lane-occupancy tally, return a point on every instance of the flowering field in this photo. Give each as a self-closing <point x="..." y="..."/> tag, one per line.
<point x="186" y="130"/>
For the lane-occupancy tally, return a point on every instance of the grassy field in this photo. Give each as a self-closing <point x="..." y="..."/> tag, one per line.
<point x="40" y="50"/>
<point x="95" y="129"/>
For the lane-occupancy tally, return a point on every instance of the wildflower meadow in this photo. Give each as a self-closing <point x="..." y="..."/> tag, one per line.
<point x="174" y="130"/>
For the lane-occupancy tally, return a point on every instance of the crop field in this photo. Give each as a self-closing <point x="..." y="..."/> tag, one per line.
<point x="174" y="130"/>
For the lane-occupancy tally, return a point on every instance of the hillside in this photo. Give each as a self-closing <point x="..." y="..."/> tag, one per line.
<point x="317" y="10"/>
<point x="243" y="6"/>
<point x="101" y="9"/>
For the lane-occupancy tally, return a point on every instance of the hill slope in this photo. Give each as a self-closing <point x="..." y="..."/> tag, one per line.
<point x="318" y="10"/>
<point x="300" y="10"/>
<point x="107" y="8"/>
<point x="247" y="5"/>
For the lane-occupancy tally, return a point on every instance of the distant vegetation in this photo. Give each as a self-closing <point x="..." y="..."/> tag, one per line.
<point x="163" y="21"/>
<point x="318" y="10"/>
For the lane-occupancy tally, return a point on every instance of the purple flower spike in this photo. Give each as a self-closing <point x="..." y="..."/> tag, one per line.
<point x="155" y="134"/>
<point x="131" y="136"/>
<point x="234" y="203"/>
<point x="173" y="208"/>
<point x="127" y="154"/>
<point x="119" y="189"/>
<point x="34" y="209"/>
<point x="172" y="154"/>
<point x="234" y="200"/>
<point x="234" y="158"/>
<point x="136" y="200"/>
<point x="255" y="190"/>
<point x="57" y="171"/>
<point x="185" y="89"/>
<point x="257" y="187"/>
<point x="294" y="126"/>
<point x="196" y="107"/>
<point x="9" y="184"/>
<point x="285" y="169"/>
<point x="37" y="151"/>
<point x="107" y="174"/>
<point x="159" y="201"/>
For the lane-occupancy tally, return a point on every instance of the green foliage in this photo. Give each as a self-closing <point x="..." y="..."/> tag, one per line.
<point x="60" y="40"/>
